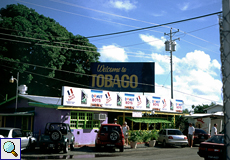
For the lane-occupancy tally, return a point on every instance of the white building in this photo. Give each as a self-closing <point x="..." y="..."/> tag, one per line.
<point x="207" y="120"/>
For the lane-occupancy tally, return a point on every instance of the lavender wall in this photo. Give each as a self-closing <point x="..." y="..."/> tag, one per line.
<point x="85" y="136"/>
<point x="44" y="115"/>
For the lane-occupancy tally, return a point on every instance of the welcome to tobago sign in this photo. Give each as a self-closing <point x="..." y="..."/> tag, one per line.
<point x="125" y="77"/>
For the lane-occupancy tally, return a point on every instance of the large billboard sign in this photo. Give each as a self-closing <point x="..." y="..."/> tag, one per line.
<point x="82" y="97"/>
<point x="125" y="77"/>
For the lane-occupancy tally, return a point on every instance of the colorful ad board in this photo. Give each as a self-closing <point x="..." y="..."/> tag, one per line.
<point x="123" y="77"/>
<point x="81" y="97"/>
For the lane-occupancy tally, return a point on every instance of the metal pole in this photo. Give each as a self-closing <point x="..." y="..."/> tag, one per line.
<point x="225" y="59"/>
<point x="16" y="105"/>
<point x="171" y="64"/>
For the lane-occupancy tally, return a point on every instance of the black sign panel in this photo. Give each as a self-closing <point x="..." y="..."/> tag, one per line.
<point x="123" y="77"/>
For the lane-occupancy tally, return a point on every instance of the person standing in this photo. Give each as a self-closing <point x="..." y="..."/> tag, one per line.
<point x="191" y="132"/>
<point x="125" y="129"/>
<point x="214" y="130"/>
<point x="115" y="121"/>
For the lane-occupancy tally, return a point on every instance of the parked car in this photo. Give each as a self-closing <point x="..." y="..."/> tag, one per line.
<point x="173" y="137"/>
<point x="57" y="136"/>
<point x="27" y="142"/>
<point x="110" y="135"/>
<point x="199" y="136"/>
<point x="213" y="148"/>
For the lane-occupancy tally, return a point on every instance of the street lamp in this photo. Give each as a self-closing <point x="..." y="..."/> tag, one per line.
<point x="12" y="81"/>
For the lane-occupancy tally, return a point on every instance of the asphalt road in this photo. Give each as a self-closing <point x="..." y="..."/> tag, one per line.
<point x="142" y="152"/>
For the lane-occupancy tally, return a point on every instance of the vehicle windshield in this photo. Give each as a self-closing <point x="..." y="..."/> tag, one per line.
<point x="107" y="129"/>
<point x="174" y="132"/>
<point x="57" y="126"/>
<point x="4" y="132"/>
<point x="200" y="131"/>
<point x="216" y="139"/>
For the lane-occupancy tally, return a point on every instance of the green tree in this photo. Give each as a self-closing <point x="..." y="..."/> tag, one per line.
<point x="200" y="108"/>
<point x="27" y="37"/>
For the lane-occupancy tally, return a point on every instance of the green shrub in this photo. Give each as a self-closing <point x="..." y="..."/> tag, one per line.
<point x="143" y="136"/>
<point x="135" y="136"/>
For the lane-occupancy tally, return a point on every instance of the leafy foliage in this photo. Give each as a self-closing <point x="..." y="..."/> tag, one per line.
<point x="135" y="136"/>
<point x="142" y="135"/>
<point x="200" y="108"/>
<point x="38" y="47"/>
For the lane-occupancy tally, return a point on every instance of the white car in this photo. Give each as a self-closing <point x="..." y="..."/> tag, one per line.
<point x="172" y="137"/>
<point x="27" y="142"/>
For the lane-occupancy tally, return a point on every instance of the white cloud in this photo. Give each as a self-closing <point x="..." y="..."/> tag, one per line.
<point x="123" y="4"/>
<point x="113" y="53"/>
<point x="194" y="78"/>
<point x="153" y="41"/>
<point x="159" y="69"/>
<point x="183" y="6"/>
<point x="162" y="13"/>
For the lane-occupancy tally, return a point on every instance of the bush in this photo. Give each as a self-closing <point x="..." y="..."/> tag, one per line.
<point x="154" y="135"/>
<point x="135" y="136"/>
<point x="143" y="136"/>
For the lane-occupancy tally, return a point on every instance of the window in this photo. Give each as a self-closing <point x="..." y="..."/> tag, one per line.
<point x="174" y="132"/>
<point x="17" y="133"/>
<point x="83" y="120"/>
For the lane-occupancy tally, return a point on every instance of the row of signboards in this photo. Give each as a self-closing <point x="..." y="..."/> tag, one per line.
<point x="118" y="100"/>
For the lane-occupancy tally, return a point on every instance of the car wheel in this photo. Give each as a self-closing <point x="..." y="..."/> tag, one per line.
<point x="72" y="146"/>
<point x="122" y="149"/>
<point x="65" y="148"/>
<point x="55" y="135"/>
<point x="97" y="147"/>
<point x="114" y="136"/>
<point x="164" y="143"/>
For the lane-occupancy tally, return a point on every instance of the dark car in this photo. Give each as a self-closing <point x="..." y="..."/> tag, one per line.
<point x="199" y="136"/>
<point x="57" y="136"/>
<point x="213" y="148"/>
<point x="110" y="135"/>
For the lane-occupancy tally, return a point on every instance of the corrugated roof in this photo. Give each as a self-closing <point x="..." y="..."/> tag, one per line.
<point x="148" y="120"/>
<point x="42" y="99"/>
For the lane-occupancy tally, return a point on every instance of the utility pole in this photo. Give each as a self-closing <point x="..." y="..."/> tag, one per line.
<point x="225" y="60"/>
<point x="171" y="46"/>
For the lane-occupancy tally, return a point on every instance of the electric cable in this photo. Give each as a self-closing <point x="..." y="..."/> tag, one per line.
<point x="104" y="78"/>
<point x="99" y="11"/>
<point x="133" y="30"/>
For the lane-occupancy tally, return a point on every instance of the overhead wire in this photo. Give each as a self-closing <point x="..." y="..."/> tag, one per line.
<point x="162" y="25"/>
<point x="111" y="48"/>
<point x="133" y="19"/>
<point x="94" y="76"/>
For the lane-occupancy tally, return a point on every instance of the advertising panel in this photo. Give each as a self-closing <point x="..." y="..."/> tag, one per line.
<point x="165" y="105"/>
<point x="124" y="77"/>
<point x="156" y="103"/>
<point x="140" y="102"/>
<point x="179" y="105"/>
<point x="129" y="102"/>
<point x="118" y="100"/>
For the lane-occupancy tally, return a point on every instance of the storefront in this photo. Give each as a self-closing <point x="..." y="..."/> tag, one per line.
<point x="85" y="110"/>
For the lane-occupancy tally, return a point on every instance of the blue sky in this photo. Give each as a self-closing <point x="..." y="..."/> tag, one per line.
<point x="196" y="62"/>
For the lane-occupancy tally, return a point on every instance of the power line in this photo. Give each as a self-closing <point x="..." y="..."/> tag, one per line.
<point x="100" y="12"/>
<point x="91" y="75"/>
<point x="78" y="6"/>
<point x="189" y="19"/>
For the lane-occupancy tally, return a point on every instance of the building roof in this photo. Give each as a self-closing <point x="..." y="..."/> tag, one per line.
<point x="218" y="105"/>
<point x="42" y="99"/>
<point x="203" y="115"/>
